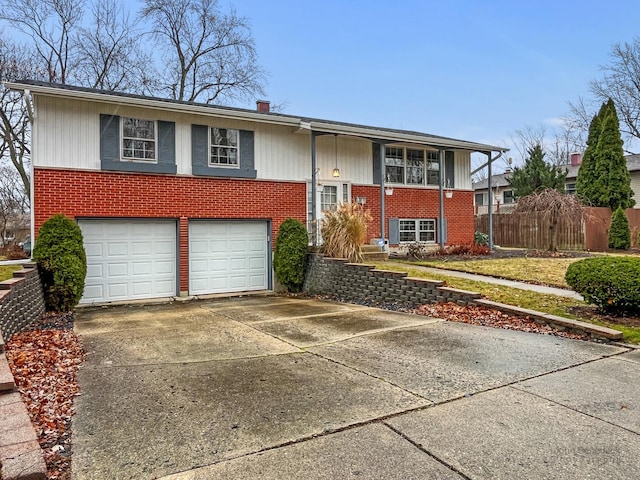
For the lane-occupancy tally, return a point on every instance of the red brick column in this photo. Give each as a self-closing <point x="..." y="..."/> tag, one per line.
<point x="183" y="254"/>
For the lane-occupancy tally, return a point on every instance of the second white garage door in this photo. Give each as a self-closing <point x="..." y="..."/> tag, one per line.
<point x="228" y="256"/>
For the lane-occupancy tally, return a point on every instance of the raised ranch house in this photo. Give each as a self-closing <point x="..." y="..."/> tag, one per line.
<point x="177" y="198"/>
<point x="503" y="200"/>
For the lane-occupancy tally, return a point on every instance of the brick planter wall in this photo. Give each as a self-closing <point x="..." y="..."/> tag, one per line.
<point x="359" y="283"/>
<point x="21" y="300"/>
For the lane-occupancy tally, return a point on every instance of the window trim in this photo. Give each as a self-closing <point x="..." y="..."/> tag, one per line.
<point x="417" y="230"/>
<point x="153" y="160"/>
<point x="210" y="163"/>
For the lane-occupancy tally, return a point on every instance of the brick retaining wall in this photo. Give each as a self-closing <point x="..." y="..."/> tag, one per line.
<point x="361" y="283"/>
<point x="21" y="300"/>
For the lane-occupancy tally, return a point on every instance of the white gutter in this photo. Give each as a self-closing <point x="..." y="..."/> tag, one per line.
<point x="28" y="100"/>
<point x="154" y="104"/>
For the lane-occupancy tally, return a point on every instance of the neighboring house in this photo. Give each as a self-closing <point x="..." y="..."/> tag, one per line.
<point x="178" y="198"/>
<point x="504" y="202"/>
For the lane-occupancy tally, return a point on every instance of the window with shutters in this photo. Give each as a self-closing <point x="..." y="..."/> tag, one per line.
<point x="138" y="139"/>
<point x="224" y="148"/>
<point x="412" y="166"/>
<point x="417" y="230"/>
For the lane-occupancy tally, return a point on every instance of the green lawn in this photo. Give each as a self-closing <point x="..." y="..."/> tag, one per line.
<point x="6" y="271"/>
<point x="543" y="271"/>
<point x="552" y="304"/>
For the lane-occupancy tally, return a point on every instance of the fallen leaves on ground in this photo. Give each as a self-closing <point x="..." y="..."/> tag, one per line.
<point x="491" y="318"/>
<point x="44" y="363"/>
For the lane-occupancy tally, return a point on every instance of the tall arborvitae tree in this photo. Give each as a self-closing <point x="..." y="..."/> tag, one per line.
<point x="536" y="175"/>
<point x="614" y="181"/>
<point x="586" y="180"/>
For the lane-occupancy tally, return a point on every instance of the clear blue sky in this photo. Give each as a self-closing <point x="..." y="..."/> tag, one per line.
<point x="475" y="70"/>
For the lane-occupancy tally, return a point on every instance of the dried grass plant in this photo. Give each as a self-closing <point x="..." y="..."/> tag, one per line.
<point x="344" y="230"/>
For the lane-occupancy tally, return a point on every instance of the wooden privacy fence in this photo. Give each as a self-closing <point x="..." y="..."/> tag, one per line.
<point x="531" y="230"/>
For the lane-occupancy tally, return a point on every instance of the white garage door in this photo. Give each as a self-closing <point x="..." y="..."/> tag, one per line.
<point x="228" y="256"/>
<point x="129" y="259"/>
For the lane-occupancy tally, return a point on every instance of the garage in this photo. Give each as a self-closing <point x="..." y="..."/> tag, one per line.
<point x="228" y="256"/>
<point x="129" y="259"/>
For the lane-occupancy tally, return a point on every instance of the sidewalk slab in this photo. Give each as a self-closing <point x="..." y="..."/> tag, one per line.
<point x="373" y="452"/>
<point x="446" y="360"/>
<point x="608" y="389"/>
<point x="507" y="434"/>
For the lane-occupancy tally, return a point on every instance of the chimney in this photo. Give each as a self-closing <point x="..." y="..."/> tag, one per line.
<point x="262" y="106"/>
<point x="576" y="159"/>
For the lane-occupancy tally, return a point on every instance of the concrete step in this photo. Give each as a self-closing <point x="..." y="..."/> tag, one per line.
<point x="7" y="382"/>
<point x="372" y="257"/>
<point x="370" y="248"/>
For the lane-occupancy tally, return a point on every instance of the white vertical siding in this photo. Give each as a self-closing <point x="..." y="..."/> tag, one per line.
<point x="67" y="134"/>
<point x="463" y="170"/>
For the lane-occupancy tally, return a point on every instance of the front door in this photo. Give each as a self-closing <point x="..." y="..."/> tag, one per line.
<point x="328" y="196"/>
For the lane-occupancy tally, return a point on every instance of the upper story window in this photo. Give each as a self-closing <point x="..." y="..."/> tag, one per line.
<point x="138" y="139"/>
<point x="411" y="166"/>
<point x="224" y="148"/>
<point x="479" y="198"/>
<point x="507" y="197"/>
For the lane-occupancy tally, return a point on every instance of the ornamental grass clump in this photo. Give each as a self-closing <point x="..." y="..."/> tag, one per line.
<point x="62" y="262"/>
<point x="344" y="231"/>
<point x="290" y="256"/>
<point x="612" y="283"/>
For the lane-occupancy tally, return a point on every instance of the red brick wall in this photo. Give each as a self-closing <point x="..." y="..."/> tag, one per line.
<point x="420" y="203"/>
<point x="105" y="194"/>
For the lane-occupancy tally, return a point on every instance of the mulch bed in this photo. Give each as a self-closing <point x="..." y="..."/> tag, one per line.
<point x="44" y="361"/>
<point x="592" y="313"/>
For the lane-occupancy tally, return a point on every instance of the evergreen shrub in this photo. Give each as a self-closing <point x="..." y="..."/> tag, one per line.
<point x="290" y="256"/>
<point x="619" y="233"/>
<point x="62" y="262"/>
<point x="610" y="282"/>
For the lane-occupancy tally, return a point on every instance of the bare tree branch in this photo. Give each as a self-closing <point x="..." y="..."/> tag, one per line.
<point x="210" y="55"/>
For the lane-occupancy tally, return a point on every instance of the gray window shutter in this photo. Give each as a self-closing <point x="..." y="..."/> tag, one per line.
<point x="449" y="169"/>
<point x="377" y="176"/>
<point x="109" y="139"/>
<point x="247" y="151"/>
<point x="199" y="145"/>
<point x="394" y="231"/>
<point x="167" y="144"/>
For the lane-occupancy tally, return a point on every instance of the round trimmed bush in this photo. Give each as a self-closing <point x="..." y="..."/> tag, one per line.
<point x="611" y="283"/>
<point x="290" y="256"/>
<point x="59" y="252"/>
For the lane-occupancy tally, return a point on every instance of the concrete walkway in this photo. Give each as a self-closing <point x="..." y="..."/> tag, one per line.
<point x="278" y="388"/>
<point x="562" y="292"/>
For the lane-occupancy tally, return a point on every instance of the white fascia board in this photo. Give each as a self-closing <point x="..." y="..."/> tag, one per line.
<point x="154" y="104"/>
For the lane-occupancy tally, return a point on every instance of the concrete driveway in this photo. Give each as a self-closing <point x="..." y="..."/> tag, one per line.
<point x="280" y="388"/>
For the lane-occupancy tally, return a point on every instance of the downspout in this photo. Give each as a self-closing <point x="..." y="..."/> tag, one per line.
<point x="441" y="199"/>
<point x="314" y="182"/>
<point x="489" y="173"/>
<point x="490" y="200"/>
<point x="383" y="153"/>
<point x="28" y="99"/>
